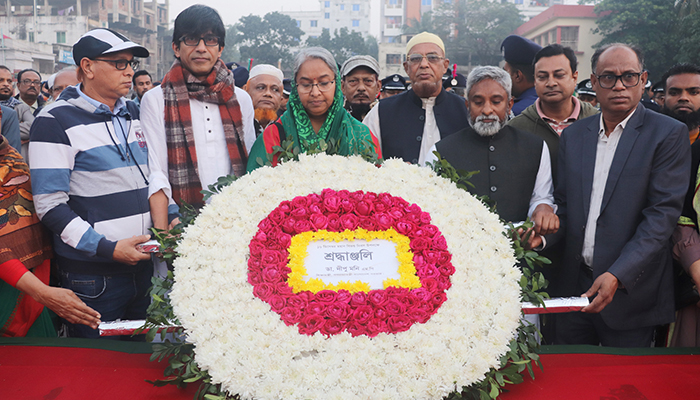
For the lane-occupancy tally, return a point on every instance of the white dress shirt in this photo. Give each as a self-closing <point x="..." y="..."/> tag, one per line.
<point x="605" y="152"/>
<point x="210" y="143"/>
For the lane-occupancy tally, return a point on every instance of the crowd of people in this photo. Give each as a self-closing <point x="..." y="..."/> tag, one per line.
<point x="603" y="167"/>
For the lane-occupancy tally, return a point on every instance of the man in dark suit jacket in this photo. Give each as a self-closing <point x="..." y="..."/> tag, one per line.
<point x="620" y="190"/>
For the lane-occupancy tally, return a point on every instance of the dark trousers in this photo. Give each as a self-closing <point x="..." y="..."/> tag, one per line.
<point x="583" y="328"/>
<point x="116" y="296"/>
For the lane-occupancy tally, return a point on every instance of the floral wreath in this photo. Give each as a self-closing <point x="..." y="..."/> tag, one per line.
<point x="252" y="351"/>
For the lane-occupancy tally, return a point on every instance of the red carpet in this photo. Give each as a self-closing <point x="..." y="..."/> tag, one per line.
<point x="74" y="369"/>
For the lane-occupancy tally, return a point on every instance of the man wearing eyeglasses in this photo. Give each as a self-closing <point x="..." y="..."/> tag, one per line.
<point x="208" y="127"/>
<point x="623" y="176"/>
<point x="89" y="167"/>
<point x="29" y="86"/>
<point x="409" y="124"/>
<point x="360" y="84"/>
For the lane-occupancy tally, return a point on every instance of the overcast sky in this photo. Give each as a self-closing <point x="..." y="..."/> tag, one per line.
<point x="232" y="11"/>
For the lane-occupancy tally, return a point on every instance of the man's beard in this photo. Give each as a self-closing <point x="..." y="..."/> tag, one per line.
<point x="425" y="89"/>
<point x="359" y="110"/>
<point x="264" y="116"/>
<point x="486" y="129"/>
<point x="691" y="119"/>
<point x="4" y="96"/>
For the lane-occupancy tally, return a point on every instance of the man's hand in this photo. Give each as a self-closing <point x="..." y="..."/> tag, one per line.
<point x="125" y="251"/>
<point x="546" y="221"/>
<point x="173" y="223"/>
<point x="533" y="242"/>
<point x="605" y="287"/>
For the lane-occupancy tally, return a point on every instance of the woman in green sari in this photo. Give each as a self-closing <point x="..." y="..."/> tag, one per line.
<point x="315" y="112"/>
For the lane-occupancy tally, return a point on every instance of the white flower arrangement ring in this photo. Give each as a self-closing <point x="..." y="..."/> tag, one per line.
<point x="249" y="350"/>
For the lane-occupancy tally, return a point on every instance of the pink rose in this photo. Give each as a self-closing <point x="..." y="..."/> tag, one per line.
<point x="424" y="217"/>
<point x="298" y="301"/>
<point x="370" y="196"/>
<point x="313" y="198"/>
<point x="315" y="308"/>
<point x="256" y="248"/>
<point x="358" y="299"/>
<point x="347" y="205"/>
<point x="314" y="209"/>
<point x="431" y="256"/>
<point x="430" y="230"/>
<point x="277" y="303"/>
<point x="355" y="328"/>
<point x="419" y="261"/>
<point x="288" y="225"/>
<point x="380" y="312"/>
<point x="343" y="296"/>
<point x="413" y="209"/>
<point x="263" y="291"/>
<point x="368" y="224"/>
<point x="299" y="202"/>
<point x="383" y="220"/>
<point x="430" y="284"/>
<point x="399" y="323"/>
<point x="418" y="315"/>
<point x="428" y="271"/>
<point x="420" y="244"/>
<point x="271" y="257"/>
<point x="412" y="218"/>
<point x="439" y="242"/>
<point x="283" y="289"/>
<point x="339" y="311"/>
<point x="284" y="240"/>
<point x="302" y="226"/>
<point x="290" y="315"/>
<point x="375" y="326"/>
<point x="404" y="227"/>
<point x="260" y="236"/>
<point x="332" y="203"/>
<point x="326" y="296"/>
<point x="357" y="196"/>
<point x="299" y="213"/>
<point x="362" y="314"/>
<point x="344" y="194"/>
<point x="271" y="275"/>
<point x="447" y="269"/>
<point x="385" y="198"/>
<point x="421" y="294"/>
<point x="334" y="223"/>
<point x="394" y="307"/>
<point x="319" y="221"/>
<point x="364" y="208"/>
<point x="285" y="206"/>
<point x="399" y="202"/>
<point x="380" y="207"/>
<point x="349" y="221"/>
<point x="277" y="216"/>
<point x="438" y="298"/>
<point x="254" y="278"/>
<point x="396" y="212"/>
<point x="266" y="225"/>
<point x="444" y="284"/>
<point x="444" y="257"/>
<point x="254" y="263"/>
<point x="310" y="324"/>
<point x="377" y="297"/>
<point x="332" y="327"/>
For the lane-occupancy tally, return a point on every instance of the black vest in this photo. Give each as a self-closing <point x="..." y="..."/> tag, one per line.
<point x="507" y="163"/>
<point x="401" y="120"/>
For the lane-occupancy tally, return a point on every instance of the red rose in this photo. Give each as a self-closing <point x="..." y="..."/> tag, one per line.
<point x="298" y="301"/>
<point x="343" y="296"/>
<point x="334" y="223"/>
<point x="315" y="308"/>
<point x="428" y="271"/>
<point x="302" y="226"/>
<point x="381" y="312"/>
<point x="444" y="257"/>
<point x="263" y="291"/>
<point x="380" y="207"/>
<point x="362" y="314"/>
<point x="358" y="299"/>
<point x="283" y="289"/>
<point x="266" y="225"/>
<point x="256" y="248"/>
<point x="377" y="297"/>
<point x="412" y="218"/>
<point x="383" y="220"/>
<point x="339" y="311"/>
<point x="314" y="209"/>
<point x="331" y="203"/>
<point x="395" y="307"/>
<point x="355" y="328"/>
<point x="326" y="296"/>
<point x="260" y="236"/>
<point x="413" y="209"/>
<point x="421" y="294"/>
<point x="277" y="303"/>
<point x="396" y="212"/>
<point x="419" y="261"/>
<point x="288" y="225"/>
<point x="368" y="224"/>
<point x="431" y="256"/>
<point x="271" y="275"/>
<point x="364" y="208"/>
<point x="299" y="213"/>
<point x="285" y="206"/>
<point x="420" y="244"/>
<point x="399" y="202"/>
<point x="254" y="263"/>
<point x="310" y="324"/>
<point x="277" y="216"/>
<point x="299" y="202"/>
<point x="424" y="217"/>
<point x="284" y="240"/>
<point x="254" y="278"/>
<point x="347" y="205"/>
<point x="404" y="227"/>
<point x="344" y="194"/>
<point x="418" y="315"/>
<point x="447" y="269"/>
<point x="399" y="323"/>
<point x="272" y="257"/>
<point x="349" y="221"/>
<point x="319" y="221"/>
<point x="430" y="284"/>
<point x="290" y="315"/>
<point x="313" y="198"/>
<point x="439" y="242"/>
<point x="438" y="298"/>
<point x="397" y="292"/>
<point x="385" y="198"/>
<point x="444" y="284"/>
<point x="357" y="196"/>
<point x="375" y="326"/>
<point x="332" y="327"/>
<point x="369" y="196"/>
<point x="430" y="230"/>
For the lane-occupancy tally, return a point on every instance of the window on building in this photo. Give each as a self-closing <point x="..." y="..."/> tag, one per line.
<point x="326" y="4"/>
<point x="314" y="23"/>
<point x="342" y="7"/>
<point x="426" y="2"/>
<point x="569" y="37"/>
<point x="327" y="15"/>
<point x="393" y="59"/>
<point x="298" y="23"/>
<point x="355" y="23"/>
<point x="394" y="22"/>
<point x="31" y="36"/>
<point x="518" y="2"/>
<point x="393" y="3"/>
<point x="60" y="37"/>
<point x="356" y="7"/>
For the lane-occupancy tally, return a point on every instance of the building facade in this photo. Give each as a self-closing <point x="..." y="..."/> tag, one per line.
<point x="568" y="25"/>
<point x="333" y="15"/>
<point x="60" y="23"/>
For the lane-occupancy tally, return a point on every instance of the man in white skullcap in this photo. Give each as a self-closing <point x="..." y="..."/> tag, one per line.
<point x="265" y="89"/>
<point x="409" y="124"/>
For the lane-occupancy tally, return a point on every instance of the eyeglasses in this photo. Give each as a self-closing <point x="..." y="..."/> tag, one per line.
<point x="628" y="79"/>
<point x="418" y="58"/>
<point x="308" y="87"/>
<point x="121" y="64"/>
<point x="209" y="40"/>
<point x="28" y="82"/>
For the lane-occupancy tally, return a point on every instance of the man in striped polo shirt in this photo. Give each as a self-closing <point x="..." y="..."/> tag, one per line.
<point x="89" y="167"/>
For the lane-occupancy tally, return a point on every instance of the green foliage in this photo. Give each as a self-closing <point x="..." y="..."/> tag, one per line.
<point x="230" y="51"/>
<point x="472" y="30"/>
<point x="268" y="39"/>
<point x="343" y="44"/>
